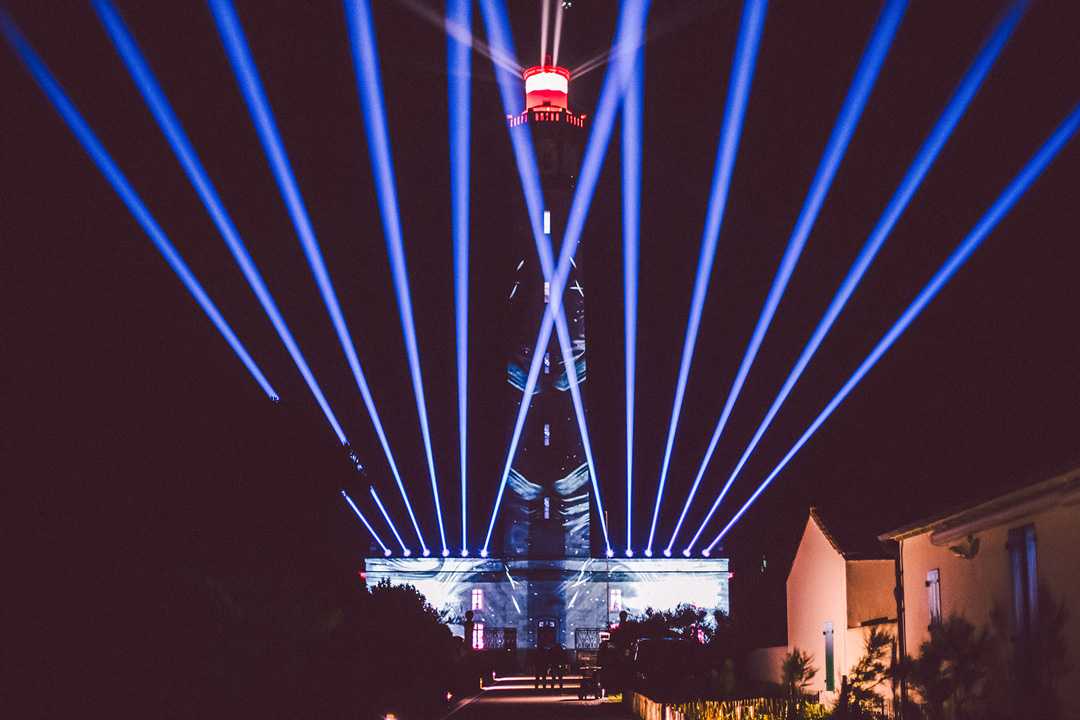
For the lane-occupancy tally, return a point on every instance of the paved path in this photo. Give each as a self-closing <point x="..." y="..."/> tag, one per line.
<point x="514" y="698"/>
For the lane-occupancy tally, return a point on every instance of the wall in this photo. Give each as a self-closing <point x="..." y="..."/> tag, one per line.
<point x="816" y="593"/>
<point x="973" y="588"/>
<point x="870" y="586"/>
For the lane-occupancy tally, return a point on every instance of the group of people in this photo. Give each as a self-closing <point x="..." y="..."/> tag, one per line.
<point x="549" y="665"/>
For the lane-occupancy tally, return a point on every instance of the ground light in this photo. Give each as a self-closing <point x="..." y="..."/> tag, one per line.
<point x="170" y="125"/>
<point x="370" y="529"/>
<point x="631" y="211"/>
<point x="123" y="188"/>
<point x="835" y="148"/>
<point x="631" y="22"/>
<point x="365" y="54"/>
<point x="247" y="77"/>
<point x="459" y="79"/>
<point x="1012" y="193"/>
<point x="742" y="72"/>
<point x="924" y="160"/>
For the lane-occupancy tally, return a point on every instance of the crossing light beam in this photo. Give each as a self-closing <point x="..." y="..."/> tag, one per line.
<point x="120" y="184"/>
<point x="247" y="77"/>
<point x="1004" y="203"/>
<point x="835" y="148"/>
<point x="364" y="520"/>
<point x="916" y="173"/>
<point x="181" y="145"/>
<point x="365" y="55"/>
<point x="742" y="73"/>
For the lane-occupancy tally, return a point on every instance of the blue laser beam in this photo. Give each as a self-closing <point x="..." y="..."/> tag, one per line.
<point x="630" y="28"/>
<point x="119" y="182"/>
<point x="170" y="125"/>
<point x="835" y="148"/>
<point x="1001" y="207"/>
<point x="369" y="84"/>
<point x="742" y="73"/>
<point x="247" y="77"/>
<point x="386" y="516"/>
<point x="917" y="171"/>
<point x="370" y="529"/>
<point x="631" y="211"/>
<point x="459" y="62"/>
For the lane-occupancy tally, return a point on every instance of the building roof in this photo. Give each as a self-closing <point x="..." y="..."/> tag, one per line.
<point x="847" y="539"/>
<point x="1027" y="497"/>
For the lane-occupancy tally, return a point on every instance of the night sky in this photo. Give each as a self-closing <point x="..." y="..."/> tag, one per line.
<point x="141" y="443"/>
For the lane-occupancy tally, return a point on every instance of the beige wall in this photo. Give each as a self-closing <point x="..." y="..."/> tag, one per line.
<point x="816" y="593"/>
<point x="972" y="588"/>
<point x="870" y="586"/>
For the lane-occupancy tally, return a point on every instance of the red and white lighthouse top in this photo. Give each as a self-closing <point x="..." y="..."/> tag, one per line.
<point x="546" y="85"/>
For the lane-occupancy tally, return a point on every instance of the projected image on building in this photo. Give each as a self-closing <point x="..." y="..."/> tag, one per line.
<point x="515" y="602"/>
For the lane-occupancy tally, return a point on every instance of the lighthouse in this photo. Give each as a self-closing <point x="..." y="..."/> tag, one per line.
<point x="549" y="499"/>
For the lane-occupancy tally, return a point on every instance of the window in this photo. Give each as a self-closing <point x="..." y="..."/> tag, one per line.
<point x="547" y="222"/>
<point x="1025" y="581"/>
<point x="933" y="595"/>
<point x="478" y="636"/>
<point x="547" y="290"/>
<point x="547" y="363"/>
<point x="615" y="600"/>
<point x="547" y="434"/>
<point x="547" y="507"/>
<point x="477" y="599"/>
<point x="830" y="674"/>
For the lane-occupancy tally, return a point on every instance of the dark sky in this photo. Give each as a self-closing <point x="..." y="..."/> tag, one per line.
<point x="132" y="423"/>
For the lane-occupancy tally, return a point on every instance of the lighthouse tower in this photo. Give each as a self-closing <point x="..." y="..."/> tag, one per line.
<point x="549" y="503"/>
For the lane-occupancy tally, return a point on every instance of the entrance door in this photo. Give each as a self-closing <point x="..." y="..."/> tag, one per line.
<point x="545" y="633"/>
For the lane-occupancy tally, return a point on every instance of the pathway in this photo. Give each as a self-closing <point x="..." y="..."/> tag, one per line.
<point x="516" y="695"/>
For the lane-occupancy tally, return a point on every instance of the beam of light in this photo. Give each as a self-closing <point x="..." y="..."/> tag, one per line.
<point x="631" y="210"/>
<point x="1001" y="207"/>
<point x="123" y="188"/>
<point x="386" y="516"/>
<point x="835" y="148"/>
<point x="370" y="529"/>
<point x="631" y="22"/>
<point x="459" y="62"/>
<point x="557" y="40"/>
<point x="170" y="125"/>
<point x="742" y="73"/>
<point x="365" y="55"/>
<point x="247" y="78"/>
<point x="924" y="160"/>
<point x="463" y="34"/>
<point x="545" y="20"/>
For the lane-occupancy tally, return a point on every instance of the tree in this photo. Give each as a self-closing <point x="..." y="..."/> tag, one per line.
<point x="796" y="672"/>
<point x="952" y="669"/>
<point x="1030" y="665"/>
<point x="860" y="698"/>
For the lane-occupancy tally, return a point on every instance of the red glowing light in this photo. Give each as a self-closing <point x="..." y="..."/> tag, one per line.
<point x="546" y="85"/>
